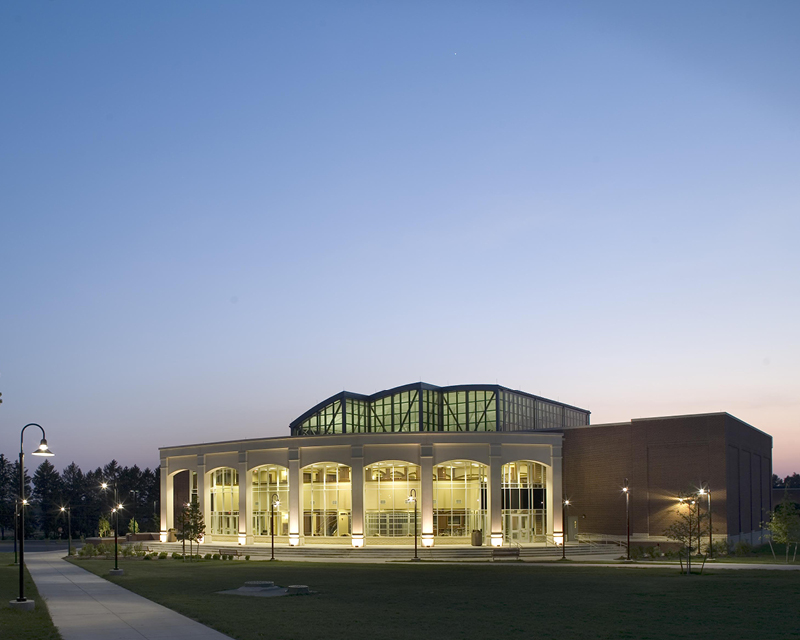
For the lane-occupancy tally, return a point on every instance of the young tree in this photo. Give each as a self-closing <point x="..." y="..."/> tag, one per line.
<point x="193" y="526"/>
<point x="688" y="526"/>
<point x="133" y="526"/>
<point x="784" y="525"/>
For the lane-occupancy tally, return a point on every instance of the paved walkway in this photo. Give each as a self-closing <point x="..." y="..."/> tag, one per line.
<point x="86" y="607"/>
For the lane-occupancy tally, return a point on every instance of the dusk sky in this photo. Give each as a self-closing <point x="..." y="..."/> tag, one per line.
<point x="217" y="214"/>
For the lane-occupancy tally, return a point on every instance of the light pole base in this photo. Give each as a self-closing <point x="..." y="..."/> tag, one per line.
<point x="116" y="572"/>
<point x="24" y="605"/>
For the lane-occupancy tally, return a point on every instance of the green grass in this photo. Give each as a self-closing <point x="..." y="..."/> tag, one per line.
<point x="511" y="600"/>
<point x="22" y="625"/>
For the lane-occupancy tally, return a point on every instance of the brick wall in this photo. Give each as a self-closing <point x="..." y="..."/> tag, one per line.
<point x="662" y="457"/>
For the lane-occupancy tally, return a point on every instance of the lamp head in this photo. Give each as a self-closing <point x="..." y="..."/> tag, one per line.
<point x="566" y="503"/>
<point x="104" y="485"/>
<point x="63" y="509"/>
<point x="276" y="503"/>
<point x="119" y="506"/>
<point x="43" y="450"/>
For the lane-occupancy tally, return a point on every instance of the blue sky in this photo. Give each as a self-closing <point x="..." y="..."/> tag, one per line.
<point x="215" y="215"/>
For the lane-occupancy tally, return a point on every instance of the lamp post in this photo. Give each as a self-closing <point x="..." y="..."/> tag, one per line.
<point x="22" y="602"/>
<point x="115" y="511"/>
<point x="68" y="511"/>
<point x="274" y="502"/>
<point x="707" y="492"/>
<point x="627" y="491"/>
<point x="412" y="498"/>
<point x="564" y="506"/>
<point x="16" y="528"/>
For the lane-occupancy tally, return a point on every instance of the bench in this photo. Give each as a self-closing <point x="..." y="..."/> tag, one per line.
<point x="505" y="553"/>
<point x="230" y="552"/>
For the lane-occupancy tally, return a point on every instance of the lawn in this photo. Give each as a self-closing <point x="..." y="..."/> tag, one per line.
<point x="487" y="601"/>
<point x="22" y="625"/>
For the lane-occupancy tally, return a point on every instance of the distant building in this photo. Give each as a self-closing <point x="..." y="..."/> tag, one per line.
<point x="467" y="459"/>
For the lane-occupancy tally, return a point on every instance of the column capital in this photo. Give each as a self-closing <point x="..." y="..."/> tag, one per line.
<point x="426" y="451"/>
<point x="357" y="451"/>
<point x="201" y="460"/>
<point x="495" y="450"/>
<point x="243" y="457"/>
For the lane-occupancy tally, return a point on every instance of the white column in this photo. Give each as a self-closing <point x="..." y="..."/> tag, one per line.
<point x="357" y="498"/>
<point x="295" y="495"/>
<point x="204" y="495"/>
<point x="426" y="493"/>
<point x="167" y="500"/>
<point x="245" y="523"/>
<point x="555" y="496"/>
<point x="495" y="495"/>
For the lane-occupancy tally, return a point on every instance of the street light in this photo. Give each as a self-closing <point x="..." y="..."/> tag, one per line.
<point x="42" y="450"/>
<point x="707" y="492"/>
<point x="564" y="506"/>
<point x="116" y="571"/>
<point x="412" y="498"/>
<point x="68" y="511"/>
<point x="274" y="502"/>
<point x="627" y="491"/>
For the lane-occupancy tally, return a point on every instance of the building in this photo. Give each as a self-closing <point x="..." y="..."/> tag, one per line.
<point x="466" y="461"/>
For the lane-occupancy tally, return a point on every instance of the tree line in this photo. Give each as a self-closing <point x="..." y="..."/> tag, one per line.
<point x="82" y="493"/>
<point x="789" y="482"/>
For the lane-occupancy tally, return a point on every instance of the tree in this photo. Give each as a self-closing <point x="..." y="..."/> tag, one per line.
<point x="29" y="523"/>
<point x="792" y="481"/>
<point x="104" y="527"/>
<point x="133" y="526"/>
<point x="777" y="482"/>
<point x="784" y="525"/>
<point x="688" y="526"/>
<point x="47" y="497"/>
<point x="193" y="526"/>
<point x="7" y="498"/>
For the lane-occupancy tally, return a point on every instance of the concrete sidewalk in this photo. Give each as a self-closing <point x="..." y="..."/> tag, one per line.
<point x="85" y="607"/>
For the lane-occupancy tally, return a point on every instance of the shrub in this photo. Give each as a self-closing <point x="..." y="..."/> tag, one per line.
<point x="636" y="553"/>
<point x="126" y="551"/>
<point x="198" y="557"/>
<point x="207" y="556"/>
<point x="88" y="551"/>
<point x="148" y="556"/>
<point x="176" y="555"/>
<point x="743" y="548"/>
<point x="720" y="548"/>
<point x="215" y="556"/>
<point x="162" y="555"/>
<point x="247" y="557"/>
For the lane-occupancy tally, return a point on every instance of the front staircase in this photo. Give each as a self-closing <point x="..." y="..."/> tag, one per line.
<point x="321" y="553"/>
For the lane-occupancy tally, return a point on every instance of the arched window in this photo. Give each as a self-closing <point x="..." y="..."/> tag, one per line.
<point x="387" y="487"/>
<point x="224" y="502"/>
<point x="459" y="498"/>
<point x="327" y="500"/>
<point x="270" y="484"/>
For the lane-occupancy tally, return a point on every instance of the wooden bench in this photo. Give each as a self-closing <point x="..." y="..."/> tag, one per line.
<point x="231" y="552"/>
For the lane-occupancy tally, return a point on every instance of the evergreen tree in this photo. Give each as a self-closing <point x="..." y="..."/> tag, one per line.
<point x="47" y="498"/>
<point x="6" y="497"/>
<point x="29" y="520"/>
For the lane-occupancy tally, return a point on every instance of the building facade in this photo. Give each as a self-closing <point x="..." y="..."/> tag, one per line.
<point x="449" y="464"/>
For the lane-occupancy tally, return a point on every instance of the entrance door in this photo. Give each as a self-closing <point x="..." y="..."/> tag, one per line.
<point x="519" y="528"/>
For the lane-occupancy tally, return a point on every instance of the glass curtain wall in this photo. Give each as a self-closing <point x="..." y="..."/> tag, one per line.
<point x="224" y="502"/>
<point x="387" y="486"/>
<point x="459" y="498"/>
<point x="523" y="502"/>
<point x="327" y="500"/>
<point x="469" y="411"/>
<point x="269" y="481"/>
